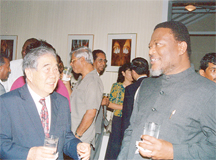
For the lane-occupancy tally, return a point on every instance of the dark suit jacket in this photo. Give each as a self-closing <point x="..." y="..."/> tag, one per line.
<point x="21" y="128"/>
<point x="128" y="104"/>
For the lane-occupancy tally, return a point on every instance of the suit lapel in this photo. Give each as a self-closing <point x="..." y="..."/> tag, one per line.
<point x="54" y="112"/>
<point x="31" y="110"/>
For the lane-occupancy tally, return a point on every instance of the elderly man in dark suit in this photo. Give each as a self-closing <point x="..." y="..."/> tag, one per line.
<point x="139" y="71"/>
<point x="25" y="120"/>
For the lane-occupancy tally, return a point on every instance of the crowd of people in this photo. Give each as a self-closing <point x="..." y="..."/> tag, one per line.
<point x="36" y="102"/>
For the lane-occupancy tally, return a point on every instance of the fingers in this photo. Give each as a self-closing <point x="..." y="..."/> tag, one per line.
<point x="84" y="150"/>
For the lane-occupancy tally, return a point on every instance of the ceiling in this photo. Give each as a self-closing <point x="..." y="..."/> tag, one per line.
<point x="204" y="9"/>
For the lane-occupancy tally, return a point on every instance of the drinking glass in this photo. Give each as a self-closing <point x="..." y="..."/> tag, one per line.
<point x="51" y="142"/>
<point x="106" y="95"/>
<point x="151" y="129"/>
<point x="67" y="74"/>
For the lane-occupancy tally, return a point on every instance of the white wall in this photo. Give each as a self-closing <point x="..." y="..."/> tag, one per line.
<point x="54" y="20"/>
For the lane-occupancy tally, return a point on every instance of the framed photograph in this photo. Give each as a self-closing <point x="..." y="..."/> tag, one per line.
<point x="121" y="50"/>
<point x="9" y="46"/>
<point x="79" y="40"/>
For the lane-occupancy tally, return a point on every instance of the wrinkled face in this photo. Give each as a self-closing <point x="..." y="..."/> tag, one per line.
<point x="210" y="72"/>
<point x="163" y="52"/>
<point x="76" y="64"/>
<point x="43" y="80"/>
<point x="5" y="70"/>
<point x="100" y="63"/>
<point x="127" y="75"/>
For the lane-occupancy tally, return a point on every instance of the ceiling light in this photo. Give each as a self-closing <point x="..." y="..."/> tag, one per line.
<point x="190" y="7"/>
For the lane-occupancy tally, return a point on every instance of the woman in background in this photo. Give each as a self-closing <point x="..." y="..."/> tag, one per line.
<point x="116" y="103"/>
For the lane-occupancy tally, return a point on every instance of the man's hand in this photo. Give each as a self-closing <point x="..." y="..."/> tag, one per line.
<point x="105" y="101"/>
<point x="84" y="150"/>
<point x="40" y="153"/>
<point x="160" y="149"/>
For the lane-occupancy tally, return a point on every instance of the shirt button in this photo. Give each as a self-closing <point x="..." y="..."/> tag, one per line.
<point x="153" y="109"/>
<point x="161" y="92"/>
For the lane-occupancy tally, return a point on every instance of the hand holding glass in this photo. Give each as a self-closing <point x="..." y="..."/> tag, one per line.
<point x="151" y="129"/>
<point x="67" y="74"/>
<point x="51" y="142"/>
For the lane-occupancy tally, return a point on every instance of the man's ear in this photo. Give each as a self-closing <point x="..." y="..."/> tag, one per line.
<point x="29" y="74"/>
<point x="182" y="47"/>
<point x="202" y="72"/>
<point x="123" y="73"/>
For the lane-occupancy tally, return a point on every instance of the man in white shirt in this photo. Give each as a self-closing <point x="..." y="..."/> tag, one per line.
<point x="16" y="66"/>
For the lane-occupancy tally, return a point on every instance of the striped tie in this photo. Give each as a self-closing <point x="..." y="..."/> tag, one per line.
<point x="44" y="117"/>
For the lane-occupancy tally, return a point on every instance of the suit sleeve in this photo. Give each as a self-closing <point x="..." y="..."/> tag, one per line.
<point x="127" y="134"/>
<point x="126" y="108"/>
<point x="8" y="149"/>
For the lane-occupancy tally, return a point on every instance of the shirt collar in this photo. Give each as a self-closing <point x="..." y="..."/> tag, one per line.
<point x="141" y="77"/>
<point x="35" y="96"/>
<point x="180" y="75"/>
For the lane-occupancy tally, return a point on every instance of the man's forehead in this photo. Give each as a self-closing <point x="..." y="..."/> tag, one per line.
<point x="101" y="55"/>
<point x="211" y="65"/>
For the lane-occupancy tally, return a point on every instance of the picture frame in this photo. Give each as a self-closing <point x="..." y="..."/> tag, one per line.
<point x="79" y="40"/>
<point x="121" y="50"/>
<point x="9" y="46"/>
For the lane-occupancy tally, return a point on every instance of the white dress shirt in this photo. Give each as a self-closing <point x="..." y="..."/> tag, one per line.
<point x="36" y="99"/>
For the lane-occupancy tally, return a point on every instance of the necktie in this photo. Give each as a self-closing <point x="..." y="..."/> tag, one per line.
<point x="44" y="117"/>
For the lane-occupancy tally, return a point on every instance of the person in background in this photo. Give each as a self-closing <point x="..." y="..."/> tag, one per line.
<point x="34" y="111"/>
<point x="4" y="71"/>
<point x="179" y="100"/>
<point x="116" y="103"/>
<point x="60" y="66"/>
<point x="86" y="96"/>
<point x="16" y="66"/>
<point x="208" y="66"/>
<point x="99" y="63"/>
<point x="139" y="71"/>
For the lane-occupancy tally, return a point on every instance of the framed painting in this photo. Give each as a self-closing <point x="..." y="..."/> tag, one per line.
<point x="9" y="46"/>
<point x="121" y="50"/>
<point x="79" y="40"/>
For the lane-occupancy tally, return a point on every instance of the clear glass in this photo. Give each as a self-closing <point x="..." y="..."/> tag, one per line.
<point x="51" y="142"/>
<point x="67" y="74"/>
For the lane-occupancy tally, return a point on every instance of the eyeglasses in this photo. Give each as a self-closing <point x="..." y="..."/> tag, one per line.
<point x="73" y="60"/>
<point x="102" y="60"/>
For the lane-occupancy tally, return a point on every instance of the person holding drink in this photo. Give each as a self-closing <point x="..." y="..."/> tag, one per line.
<point x="181" y="101"/>
<point x="35" y="111"/>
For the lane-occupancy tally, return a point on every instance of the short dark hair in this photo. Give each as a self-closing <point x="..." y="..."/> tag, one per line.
<point x="140" y="66"/>
<point x="123" y="68"/>
<point x="2" y="60"/>
<point x="180" y="32"/>
<point x="95" y="53"/>
<point x="208" y="58"/>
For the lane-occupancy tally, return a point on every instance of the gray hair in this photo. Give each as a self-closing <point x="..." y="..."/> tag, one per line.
<point x="83" y="52"/>
<point x="31" y="58"/>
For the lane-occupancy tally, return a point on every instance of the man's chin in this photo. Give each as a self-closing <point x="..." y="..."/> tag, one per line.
<point x="155" y="72"/>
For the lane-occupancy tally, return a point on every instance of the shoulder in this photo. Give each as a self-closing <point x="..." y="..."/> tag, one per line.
<point x="15" y="63"/>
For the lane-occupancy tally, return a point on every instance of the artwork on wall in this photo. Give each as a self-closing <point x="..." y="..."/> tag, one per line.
<point x="121" y="50"/>
<point x="9" y="46"/>
<point x="79" y="40"/>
